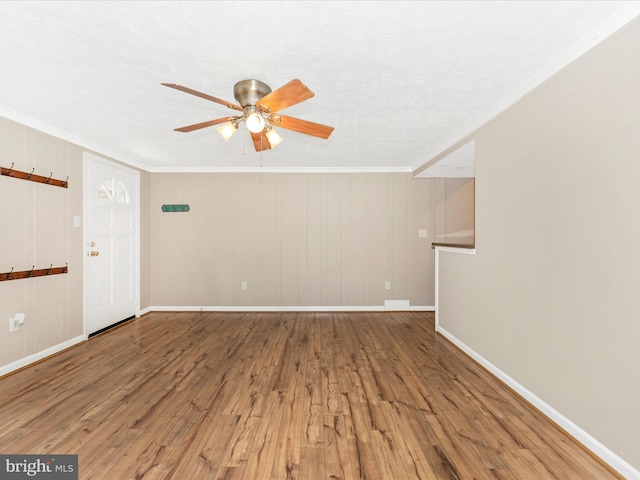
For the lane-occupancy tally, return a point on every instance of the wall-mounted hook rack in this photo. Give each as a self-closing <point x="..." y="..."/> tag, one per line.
<point x="43" y="272"/>
<point x="10" y="172"/>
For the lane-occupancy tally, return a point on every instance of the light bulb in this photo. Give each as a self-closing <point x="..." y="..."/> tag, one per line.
<point x="255" y="122"/>
<point x="273" y="137"/>
<point x="227" y="130"/>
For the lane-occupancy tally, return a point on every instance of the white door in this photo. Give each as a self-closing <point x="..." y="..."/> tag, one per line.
<point x="111" y="243"/>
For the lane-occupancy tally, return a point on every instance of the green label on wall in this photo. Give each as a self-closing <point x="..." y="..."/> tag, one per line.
<point x="175" y="208"/>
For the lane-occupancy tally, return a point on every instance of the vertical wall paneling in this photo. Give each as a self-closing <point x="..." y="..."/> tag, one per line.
<point x="225" y="285"/>
<point x="64" y="250"/>
<point x="358" y="239"/>
<point x="366" y="246"/>
<point x="241" y="225"/>
<point x="200" y="218"/>
<point x="303" y="241"/>
<point x="291" y="246"/>
<point x="297" y="240"/>
<point x="37" y="231"/>
<point x="332" y="248"/>
<point x="400" y="273"/>
<point x="267" y="240"/>
<point x="145" y="233"/>
<point x="164" y="256"/>
<point x="315" y="242"/>
<point x="346" y="235"/>
<point x="388" y="294"/>
<point x="45" y="234"/>
<point x="378" y="238"/>
<point x="33" y="329"/>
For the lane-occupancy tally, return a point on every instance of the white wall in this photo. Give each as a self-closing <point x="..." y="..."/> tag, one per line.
<point x="551" y="296"/>
<point x="305" y="240"/>
<point x="454" y="210"/>
<point x="36" y="230"/>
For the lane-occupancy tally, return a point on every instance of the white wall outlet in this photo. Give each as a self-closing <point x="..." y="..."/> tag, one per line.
<point x="244" y="285"/>
<point x="387" y="285"/>
<point x="422" y="233"/>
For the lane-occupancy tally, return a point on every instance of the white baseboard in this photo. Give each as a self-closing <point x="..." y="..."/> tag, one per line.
<point x="23" y="362"/>
<point x="607" y="456"/>
<point x="279" y="308"/>
<point x="395" y="305"/>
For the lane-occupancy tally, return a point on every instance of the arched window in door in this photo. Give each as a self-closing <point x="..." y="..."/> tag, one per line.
<point x="114" y="190"/>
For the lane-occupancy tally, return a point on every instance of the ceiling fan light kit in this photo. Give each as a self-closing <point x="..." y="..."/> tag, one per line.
<point x="253" y="119"/>
<point x="227" y="129"/>
<point x="273" y="137"/>
<point x="260" y="106"/>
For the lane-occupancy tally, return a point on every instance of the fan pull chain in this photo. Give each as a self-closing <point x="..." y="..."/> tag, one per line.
<point x="261" y="148"/>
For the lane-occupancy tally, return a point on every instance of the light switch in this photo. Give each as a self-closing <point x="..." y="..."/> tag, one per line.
<point x="77" y="221"/>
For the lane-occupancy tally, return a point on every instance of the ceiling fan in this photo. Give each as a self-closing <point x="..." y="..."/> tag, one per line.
<point x="260" y="107"/>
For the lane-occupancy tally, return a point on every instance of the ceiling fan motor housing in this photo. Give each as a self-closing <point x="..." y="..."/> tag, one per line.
<point x="249" y="92"/>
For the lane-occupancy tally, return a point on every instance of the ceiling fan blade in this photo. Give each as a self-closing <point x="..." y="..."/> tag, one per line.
<point x="260" y="141"/>
<point x="203" y="95"/>
<point x="290" y="94"/>
<point x="301" y="126"/>
<point x="197" y="126"/>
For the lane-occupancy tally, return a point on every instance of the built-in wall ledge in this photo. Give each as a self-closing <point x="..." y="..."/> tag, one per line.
<point x="453" y="245"/>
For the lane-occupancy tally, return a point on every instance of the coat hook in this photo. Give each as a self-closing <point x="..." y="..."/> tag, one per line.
<point x="10" y="168"/>
<point x="49" y="269"/>
<point x="66" y="182"/>
<point x="49" y="179"/>
<point x="9" y="274"/>
<point x="30" y="174"/>
<point x="33" y="267"/>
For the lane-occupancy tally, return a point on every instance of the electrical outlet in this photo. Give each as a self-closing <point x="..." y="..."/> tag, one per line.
<point x="387" y="285"/>
<point x="244" y="285"/>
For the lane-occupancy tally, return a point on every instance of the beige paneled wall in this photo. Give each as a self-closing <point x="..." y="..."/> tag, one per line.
<point x="36" y="230"/>
<point x="144" y="240"/>
<point x="455" y="210"/>
<point x="295" y="239"/>
<point x="551" y="296"/>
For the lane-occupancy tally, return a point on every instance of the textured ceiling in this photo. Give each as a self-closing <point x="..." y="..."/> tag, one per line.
<point x="400" y="81"/>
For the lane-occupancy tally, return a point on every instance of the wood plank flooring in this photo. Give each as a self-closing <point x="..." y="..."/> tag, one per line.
<point x="261" y="396"/>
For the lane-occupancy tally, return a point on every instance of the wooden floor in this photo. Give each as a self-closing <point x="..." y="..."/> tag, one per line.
<point x="255" y="396"/>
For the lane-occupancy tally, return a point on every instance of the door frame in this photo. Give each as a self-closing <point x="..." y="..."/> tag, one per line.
<point x="88" y="157"/>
